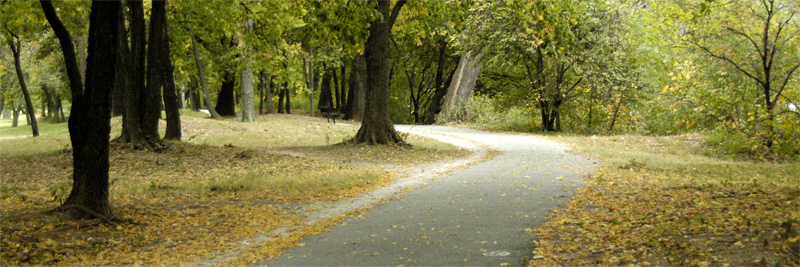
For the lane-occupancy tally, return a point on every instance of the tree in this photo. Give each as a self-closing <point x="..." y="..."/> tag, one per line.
<point x="202" y="77"/>
<point x="377" y="127"/>
<point x="89" y="122"/>
<point x="248" y="90"/>
<point x="16" y="45"/>
<point x="765" y="35"/>
<point x="459" y="91"/>
<point x="160" y="71"/>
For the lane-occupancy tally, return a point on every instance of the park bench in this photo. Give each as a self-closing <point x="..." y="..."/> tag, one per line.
<point x="329" y="113"/>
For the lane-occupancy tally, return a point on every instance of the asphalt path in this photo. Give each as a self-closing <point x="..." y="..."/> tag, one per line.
<point x="475" y="215"/>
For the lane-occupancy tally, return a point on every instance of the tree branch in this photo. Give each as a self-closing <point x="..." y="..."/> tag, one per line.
<point x="753" y="42"/>
<point x="725" y="58"/>
<point x="785" y="81"/>
<point x="395" y="12"/>
<point x="73" y="72"/>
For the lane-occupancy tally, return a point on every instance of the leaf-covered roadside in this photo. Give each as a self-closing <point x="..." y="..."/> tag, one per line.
<point x="671" y="214"/>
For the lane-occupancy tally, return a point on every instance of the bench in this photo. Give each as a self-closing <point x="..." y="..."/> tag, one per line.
<point x="329" y="113"/>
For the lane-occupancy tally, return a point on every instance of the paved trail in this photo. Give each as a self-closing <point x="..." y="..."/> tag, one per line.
<point x="475" y="215"/>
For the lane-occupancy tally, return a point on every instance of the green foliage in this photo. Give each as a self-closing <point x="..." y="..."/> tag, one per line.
<point x="485" y="113"/>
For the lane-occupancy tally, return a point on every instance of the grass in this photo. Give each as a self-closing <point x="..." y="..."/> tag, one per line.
<point x="679" y="155"/>
<point x="659" y="200"/>
<point x="227" y="181"/>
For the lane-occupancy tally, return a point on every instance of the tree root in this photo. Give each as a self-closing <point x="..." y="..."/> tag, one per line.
<point x="87" y="210"/>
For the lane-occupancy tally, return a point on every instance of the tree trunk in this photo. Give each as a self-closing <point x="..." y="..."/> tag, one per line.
<point x="341" y="85"/>
<point x="59" y="109"/>
<point x="161" y="77"/>
<point x="118" y="93"/>
<point x="356" y="98"/>
<point x="226" y="106"/>
<point x="435" y="106"/>
<point x="206" y="98"/>
<point x="15" y="50"/>
<point x="311" y="84"/>
<point x="281" y="95"/>
<point x="131" y="66"/>
<point x="48" y="103"/>
<point x="469" y="67"/>
<point x="266" y="80"/>
<point x="2" y="103"/>
<point x="89" y="121"/>
<point x="247" y="88"/>
<point x="15" y="116"/>
<point x="288" y="99"/>
<point x="194" y="96"/>
<point x="377" y="127"/>
<point x="325" y="95"/>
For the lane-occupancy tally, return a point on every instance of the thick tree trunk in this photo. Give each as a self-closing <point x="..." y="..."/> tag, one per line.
<point x="160" y="72"/>
<point x="226" y="106"/>
<point x="356" y="98"/>
<point x="248" y="96"/>
<point x="15" y="50"/>
<point x="377" y="127"/>
<point x="462" y="85"/>
<point x="89" y="124"/>
<point x="139" y="120"/>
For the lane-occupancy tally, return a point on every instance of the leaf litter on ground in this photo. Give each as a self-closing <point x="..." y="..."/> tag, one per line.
<point x="199" y="198"/>
<point x="654" y="204"/>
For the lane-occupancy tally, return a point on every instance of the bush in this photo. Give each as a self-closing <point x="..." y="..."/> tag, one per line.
<point x="750" y="141"/>
<point x="485" y="113"/>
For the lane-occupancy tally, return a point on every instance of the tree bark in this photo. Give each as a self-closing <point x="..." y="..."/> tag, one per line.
<point x="266" y="81"/>
<point x="281" y="96"/>
<point x="206" y="98"/>
<point x="15" y="116"/>
<point x="311" y="84"/>
<point x="325" y="94"/>
<point x="247" y="87"/>
<point x="89" y="121"/>
<point x="226" y="106"/>
<point x="377" y="127"/>
<point x="194" y="96"/>
<point x="2" y="103"/>
<point x="15" y="44"/>
<point x="161" y="77"/>
<point x="356" y="98"/>
<point x="435" y="106"/>
<point x="462" y="85"/>
<point x="341" y="95"/>
<point x="288" y="98"/>
<point x="140" y="120"/>
<point x="48" y="103"/>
